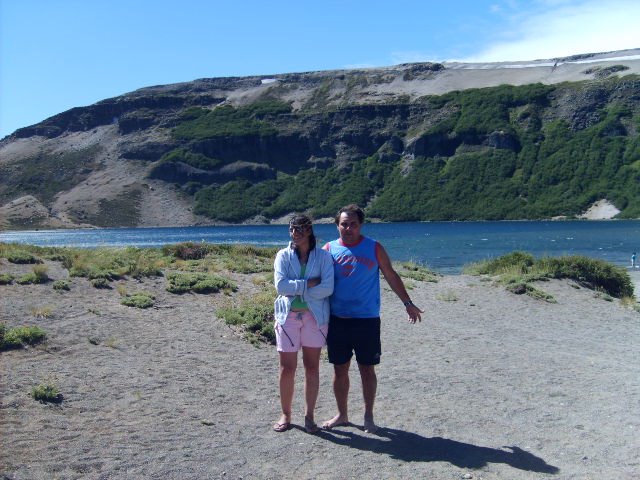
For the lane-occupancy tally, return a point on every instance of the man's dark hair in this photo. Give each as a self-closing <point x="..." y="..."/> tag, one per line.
<point x="351" y="209"/>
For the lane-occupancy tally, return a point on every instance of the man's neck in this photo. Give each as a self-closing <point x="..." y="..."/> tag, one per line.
<point x="352" y="244"/>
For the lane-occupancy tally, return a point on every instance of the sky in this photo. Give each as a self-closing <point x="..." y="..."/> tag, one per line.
<point x="60" y="54"/>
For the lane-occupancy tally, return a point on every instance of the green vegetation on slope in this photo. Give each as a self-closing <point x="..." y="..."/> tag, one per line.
<point x="496" y="153"/>
<point x="226" y="121"/>
<point x="322" y="192"/>
<point x="507" y="152"/>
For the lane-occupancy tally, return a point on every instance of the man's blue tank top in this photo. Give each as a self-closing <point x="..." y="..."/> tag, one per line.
<point x="356" y="292"/>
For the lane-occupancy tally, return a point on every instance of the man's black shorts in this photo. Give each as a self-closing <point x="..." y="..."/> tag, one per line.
<point x="359" y="335"/>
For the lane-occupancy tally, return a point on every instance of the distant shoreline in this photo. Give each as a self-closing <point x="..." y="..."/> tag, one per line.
<point x="319" y="221"/>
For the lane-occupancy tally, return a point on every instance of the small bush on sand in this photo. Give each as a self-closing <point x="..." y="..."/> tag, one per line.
<point x="41" y="272"/>
<point x="254" y="315"/>
<point x="448" y="296"/>
<point x="520" y="267"/>
<point x="18" y="337"/>
<point x="21" y="257"/>
<point x="630" y="302"/>
<point x="100" y="283"/>
<point x="38" y="275"/>
<point x="6" y="278"/>
<point x="187" y="250"/>
<point x="61" y="285"/>
<point x="139" y="300"/>
<point x="94" y="273"/>
<point x="592" y="273"/>
<point x="114" y="263"/>
<point x="47" y="392"/>
<point x="245" y="258"/>
<point x="27" y="279"/>
<point x="42" y="312"/>
<point x="417" y="272"/>
<point x="215" y="257"/>
<point x="197" y="282"/>
<point x="514" y="262"/>
<point x="523" y="287"/>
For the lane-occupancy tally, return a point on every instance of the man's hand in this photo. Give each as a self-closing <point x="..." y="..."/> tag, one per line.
<point x="414" y="313"/>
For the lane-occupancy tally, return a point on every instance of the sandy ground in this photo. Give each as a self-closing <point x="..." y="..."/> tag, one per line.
<point x="490" y="385"/>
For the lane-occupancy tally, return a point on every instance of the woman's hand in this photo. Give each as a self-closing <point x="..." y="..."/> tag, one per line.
<point x="312" y="282"/>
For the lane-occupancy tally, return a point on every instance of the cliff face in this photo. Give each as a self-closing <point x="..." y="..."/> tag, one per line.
<point x="412" y="142"/>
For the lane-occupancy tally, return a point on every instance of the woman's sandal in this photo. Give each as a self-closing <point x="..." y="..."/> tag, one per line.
<point x="281" y="427"/>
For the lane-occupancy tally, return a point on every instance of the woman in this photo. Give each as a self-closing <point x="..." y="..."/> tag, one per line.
<point x="304" y="281"/>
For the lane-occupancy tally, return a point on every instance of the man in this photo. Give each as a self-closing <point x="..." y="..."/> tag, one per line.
<point x="354" y="324"/>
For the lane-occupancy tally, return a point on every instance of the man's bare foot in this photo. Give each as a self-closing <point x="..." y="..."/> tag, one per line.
<point x="310" y="426"/>
<point x="369" y="425"/>
<point x="337" y="421"/>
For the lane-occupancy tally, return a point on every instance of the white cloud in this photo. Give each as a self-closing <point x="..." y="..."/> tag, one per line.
<point x="560" y="28"/>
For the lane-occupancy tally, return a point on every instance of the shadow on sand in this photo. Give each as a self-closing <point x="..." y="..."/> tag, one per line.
<point x="411" y="447"/>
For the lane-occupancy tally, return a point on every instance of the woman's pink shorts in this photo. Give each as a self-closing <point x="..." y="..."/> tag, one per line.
<point x="300" y="330"/>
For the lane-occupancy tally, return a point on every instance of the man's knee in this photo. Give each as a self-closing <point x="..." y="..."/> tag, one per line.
<point x="367" y="371"/>
<point x="342" y="370"/>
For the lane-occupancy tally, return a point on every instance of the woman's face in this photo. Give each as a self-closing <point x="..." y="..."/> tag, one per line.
<point x="299" y="234"/>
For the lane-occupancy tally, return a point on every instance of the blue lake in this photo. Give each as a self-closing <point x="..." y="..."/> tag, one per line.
<point x="443" y="246"/>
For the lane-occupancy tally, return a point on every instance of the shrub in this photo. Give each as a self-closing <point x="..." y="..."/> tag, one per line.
<point x="6" y="278"/>
<point x="47" y="392"/>
<point x="95" y="273"/>
<point x="514" y="262"/>
<point x="61" y="285"/>
<point x="254" y="315"/>
<point x="41" y="273"/>
<point x="520" y="288"/>
<point x="417" y="272"/>
<point x="27" y="279"/>
<point x="245" y="258"/>
<point x="144" y="262"/>
<point x="42" y="312"/>
<point x="138" y="300"/>
<point x="521" y="268"/>
<point x="21" y="257"/>
<point x="187" y="250"/>
<point x="448" y="296"/>
<point x="18" y="337"/>
<point x="197" y="282"/>
<point x="100" y="283"/>
<point x="593" y="273"/>
<point x="630" y="302"/>
<point x="114" y="263"/>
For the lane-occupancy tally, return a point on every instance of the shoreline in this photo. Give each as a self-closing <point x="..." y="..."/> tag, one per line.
<point x="319" y="221"/>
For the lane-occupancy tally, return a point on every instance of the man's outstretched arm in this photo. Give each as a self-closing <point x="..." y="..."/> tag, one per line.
<point x="396" y="284"/>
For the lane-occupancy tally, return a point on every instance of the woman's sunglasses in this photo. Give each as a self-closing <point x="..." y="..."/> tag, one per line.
<point x="298" y="229"/>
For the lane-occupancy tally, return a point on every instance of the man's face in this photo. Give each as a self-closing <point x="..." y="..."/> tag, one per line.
<point x="349" y="228"/>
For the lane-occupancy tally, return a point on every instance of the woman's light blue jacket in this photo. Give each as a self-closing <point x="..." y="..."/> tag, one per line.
<point x="289" y="283"/>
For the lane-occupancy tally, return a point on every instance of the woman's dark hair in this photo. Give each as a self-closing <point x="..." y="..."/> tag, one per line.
<point x="304" y="221"/>
<point x="351" y="209"/>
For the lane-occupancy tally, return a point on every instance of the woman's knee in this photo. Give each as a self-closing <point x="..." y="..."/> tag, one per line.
<point x="288" y="361"/>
